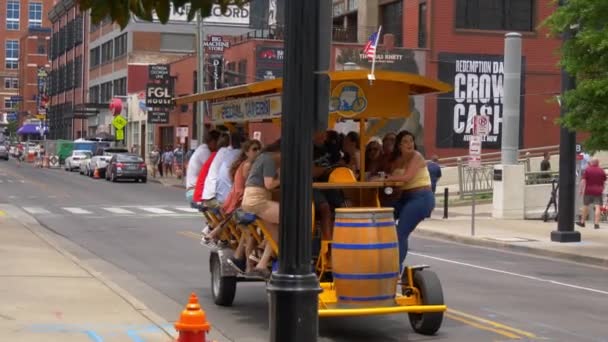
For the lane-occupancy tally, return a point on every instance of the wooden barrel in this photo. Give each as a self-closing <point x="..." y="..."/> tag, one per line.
<point x="365" y="257"/>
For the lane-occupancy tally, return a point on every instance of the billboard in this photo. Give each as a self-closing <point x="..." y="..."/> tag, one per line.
<point x="269" y="62"/>
<point x="393" y="59"/>
<point x="234" y="15"/>
<point x="478" y="90"/>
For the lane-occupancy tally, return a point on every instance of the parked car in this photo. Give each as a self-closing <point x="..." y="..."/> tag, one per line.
<point x="73" y="161"/>
<point x="127" y="166"/>
<point x="3" y="152"/>
<point x="101" y="161"/>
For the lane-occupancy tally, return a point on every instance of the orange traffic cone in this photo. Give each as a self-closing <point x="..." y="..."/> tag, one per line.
<point x="192" y="324"/>
<point x="96" y="173"/>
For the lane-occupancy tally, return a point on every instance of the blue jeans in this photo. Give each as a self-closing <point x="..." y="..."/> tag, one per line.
<point x="411" y="209"/>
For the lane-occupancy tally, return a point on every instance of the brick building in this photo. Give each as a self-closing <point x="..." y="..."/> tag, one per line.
<point x="458" y="41"/>
<point x="33" y="72"/>
<point x="16" y="18"/>
<point x="67" y="79"/>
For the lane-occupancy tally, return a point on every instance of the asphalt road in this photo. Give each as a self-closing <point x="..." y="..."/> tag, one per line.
<point x="143" y="237"/>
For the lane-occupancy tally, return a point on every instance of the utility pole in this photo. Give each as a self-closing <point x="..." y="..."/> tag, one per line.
<point x="294" y="288"/>
<point x="567" y="165"/>
<point x="200" y="78"/>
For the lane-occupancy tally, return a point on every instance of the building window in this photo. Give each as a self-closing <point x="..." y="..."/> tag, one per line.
<point x="105" y="92"/>
<point x="500" y="15"/>
<point x="391" y="16"/>
<point x="78" y="72"/>
<point x="351" y="5"/>
<point x="94" y="94"/>
<point x="120" y="86"/>
<point x="95" y="57"/>
<point x="78" y="30"/>
<point x="9" y="104"/>
<point x="106" y="52"/>
<point x="41" y="46"/>
<point x="69" y="35"/>
<point x="11" y="83"/>
<point x="242" y="71"/>
<point x="120" y="45"/>
<point x="12" y="14"/>
<point x="422" y="25"/>
<point x="35" y="14"/>
<point x="12" y="54"/>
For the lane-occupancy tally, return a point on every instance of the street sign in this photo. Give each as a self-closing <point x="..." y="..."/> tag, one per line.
<point x="216" y="44"/>
<point x="11" y="116"/>
<point x="156" y="117"/>
<point x="159" y="72"/>
<point x="159" y="96"/>
<point x="475" y="151"/>
<point x="481" y="125"/>
<point x="120" y="134"/>
<point x="119" y="123"/>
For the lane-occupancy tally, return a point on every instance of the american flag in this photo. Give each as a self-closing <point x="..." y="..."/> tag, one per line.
<point x="370" y="47"/>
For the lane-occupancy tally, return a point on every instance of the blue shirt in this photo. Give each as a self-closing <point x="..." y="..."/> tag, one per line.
<point x="434" y="172"/>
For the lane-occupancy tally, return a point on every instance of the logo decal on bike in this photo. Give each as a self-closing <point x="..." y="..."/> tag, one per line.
<point x="347" y="99"/>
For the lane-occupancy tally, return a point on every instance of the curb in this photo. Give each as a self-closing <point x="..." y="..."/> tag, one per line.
<point x="35" y="228"/>
<point x="596" y="261"/>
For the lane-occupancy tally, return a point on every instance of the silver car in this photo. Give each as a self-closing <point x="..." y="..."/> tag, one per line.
<point x="3" y="152"/>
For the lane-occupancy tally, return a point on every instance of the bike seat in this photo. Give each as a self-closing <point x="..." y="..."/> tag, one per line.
<point x="243" y="217"/>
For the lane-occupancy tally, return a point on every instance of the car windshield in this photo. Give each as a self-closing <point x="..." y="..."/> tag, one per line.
<point x="82" y="154"/>
<point x="129" y="158"/>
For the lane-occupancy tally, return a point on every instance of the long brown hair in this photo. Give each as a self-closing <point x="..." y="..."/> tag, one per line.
<point x="243" y="156"/>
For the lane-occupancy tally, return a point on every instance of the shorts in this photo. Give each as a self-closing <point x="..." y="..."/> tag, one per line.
<point x="255" y="200"/>
<point x="592" y="199"/>
<point x="189" y="195"/>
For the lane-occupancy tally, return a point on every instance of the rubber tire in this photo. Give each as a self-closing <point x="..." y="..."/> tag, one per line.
<point x="431" y="292"/>
<point x="144" y="180"/>
<point x="226" y="290"/>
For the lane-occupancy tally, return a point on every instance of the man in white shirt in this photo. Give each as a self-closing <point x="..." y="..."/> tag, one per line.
<point x="224" y="154"/>
<point x="199" y="157"/>
<point x="224" y="183"/>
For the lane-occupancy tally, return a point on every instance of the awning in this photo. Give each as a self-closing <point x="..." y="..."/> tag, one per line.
<point x="32" y="129"/>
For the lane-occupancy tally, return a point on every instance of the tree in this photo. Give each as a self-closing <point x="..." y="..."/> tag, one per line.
<point x="585" y="56"/>
<point x="120" y="11"/>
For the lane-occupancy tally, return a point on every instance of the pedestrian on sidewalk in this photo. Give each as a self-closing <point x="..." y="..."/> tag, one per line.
<point x="434" y="171"/>
<point x="154" y="158"/>
<point x="167" y="159"/>
<point x="592" y="189"/>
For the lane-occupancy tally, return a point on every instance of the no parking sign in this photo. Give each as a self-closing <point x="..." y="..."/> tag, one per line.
<point x="481" y="125"/>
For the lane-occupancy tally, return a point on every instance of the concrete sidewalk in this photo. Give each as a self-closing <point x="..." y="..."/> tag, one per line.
<point x="46" y="294"/>
<point x="529" y="236"/>
<point x="168" y="181"/>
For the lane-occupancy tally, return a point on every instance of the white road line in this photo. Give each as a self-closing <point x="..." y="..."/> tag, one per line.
<point x="157" y="210"/>
<point x="1" y="181"/>
<point x="186" y="209"/>
<point x="10" y="181"/>
<point x="36" y="210"/>
<point x="118" y="211"/>
<point x="529" y="277"/>
<point x="22" y="181"/>
<point x="78" y="211"/>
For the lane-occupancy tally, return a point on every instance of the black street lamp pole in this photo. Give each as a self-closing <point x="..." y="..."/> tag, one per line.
<point x="567" y="166"/>
<point x="294" y="288"/>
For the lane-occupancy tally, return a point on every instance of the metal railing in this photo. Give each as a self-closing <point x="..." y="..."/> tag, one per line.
<point x="484" y="177"/>
<point x="494" y="157"/>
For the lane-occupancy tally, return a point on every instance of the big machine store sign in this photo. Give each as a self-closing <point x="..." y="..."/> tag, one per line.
<point x="478" y="90"/>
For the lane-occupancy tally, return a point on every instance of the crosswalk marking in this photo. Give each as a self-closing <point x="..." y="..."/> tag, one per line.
<point x="1" y="181"/>
<point x="157" y="210"/>
<point x="77" y="210"/>
<point x="10" y="181"/>
<point x="36" y="210"/>
<point x="186" y="209"/>
<point x="118" y="211"/>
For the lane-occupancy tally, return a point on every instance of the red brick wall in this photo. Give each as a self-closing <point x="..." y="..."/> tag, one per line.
<point x="137" y="77"/>
<point x="541" y="80"/>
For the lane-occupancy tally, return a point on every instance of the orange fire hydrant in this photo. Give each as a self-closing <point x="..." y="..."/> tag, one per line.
<point x="192" y="324"/>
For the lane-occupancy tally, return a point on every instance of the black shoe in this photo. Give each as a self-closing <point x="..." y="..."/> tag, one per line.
<point x="580" y="224"/>
<point x="597" y="226"/>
